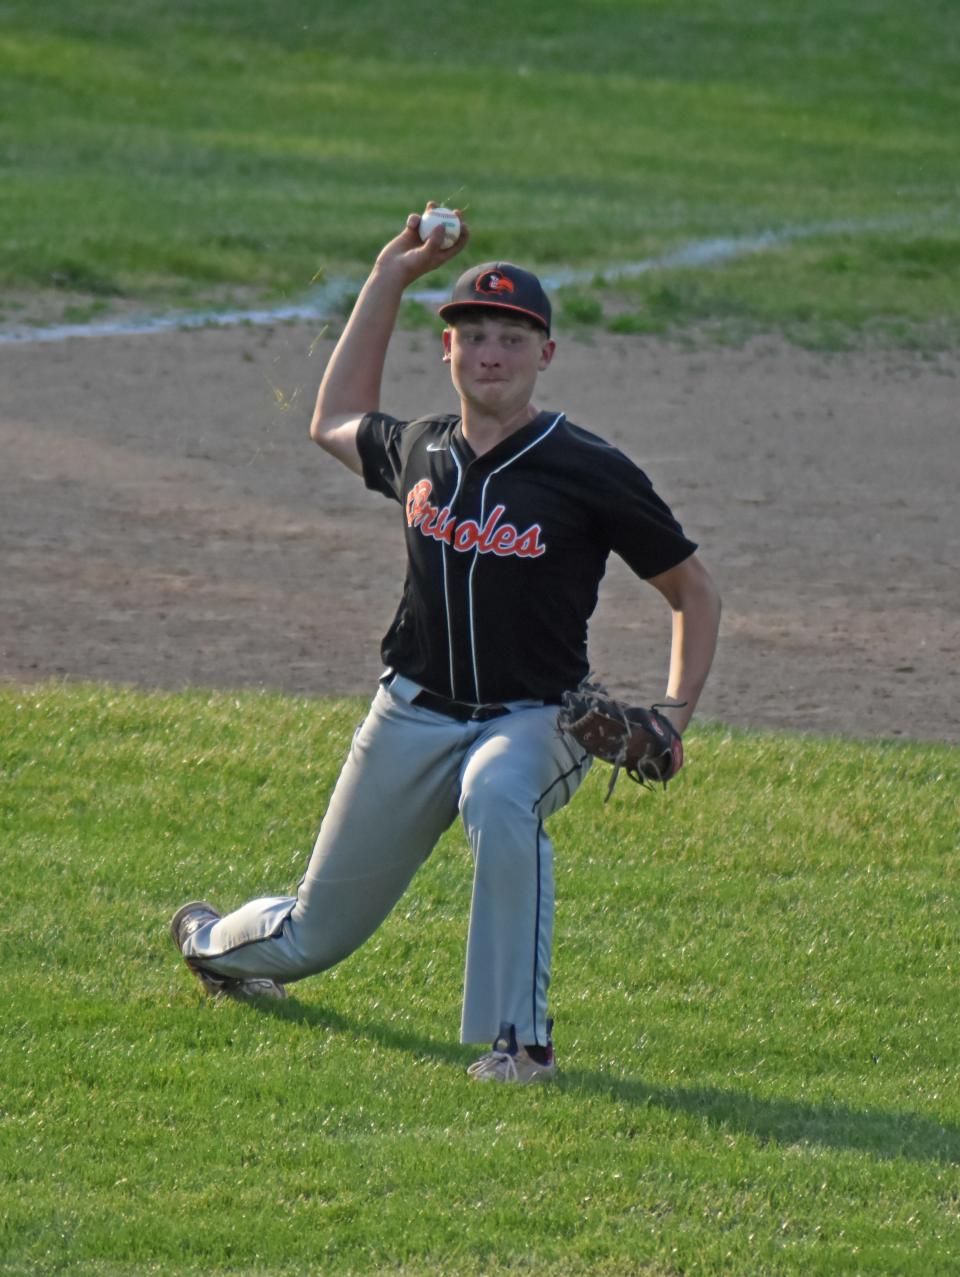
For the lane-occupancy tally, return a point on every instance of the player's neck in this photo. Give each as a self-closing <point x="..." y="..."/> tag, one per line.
<point x="484" y="430"/>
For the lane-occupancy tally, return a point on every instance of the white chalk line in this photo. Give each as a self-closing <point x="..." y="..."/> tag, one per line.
<point x="317" y="305"/>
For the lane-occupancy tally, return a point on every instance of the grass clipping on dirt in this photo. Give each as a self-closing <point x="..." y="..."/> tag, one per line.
<point x="758" y="1073"/>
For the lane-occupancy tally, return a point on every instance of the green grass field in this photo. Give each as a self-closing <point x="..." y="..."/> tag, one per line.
<point x="755" y="973"/>
<point x="179" y="155"/>
<point x="755" y="991"/>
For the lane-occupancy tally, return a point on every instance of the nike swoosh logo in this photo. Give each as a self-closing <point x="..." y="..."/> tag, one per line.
<point x="436" y="447"/>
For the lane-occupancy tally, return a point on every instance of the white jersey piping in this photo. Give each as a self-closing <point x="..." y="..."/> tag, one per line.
<point x="443" y="559"/>
<point x="476" y="554"/>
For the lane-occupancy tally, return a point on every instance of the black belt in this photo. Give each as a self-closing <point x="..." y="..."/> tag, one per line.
<point x="462" y="711"/>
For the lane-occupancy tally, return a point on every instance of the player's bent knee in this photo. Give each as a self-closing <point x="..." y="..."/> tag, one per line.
<point x="489" y="804"/>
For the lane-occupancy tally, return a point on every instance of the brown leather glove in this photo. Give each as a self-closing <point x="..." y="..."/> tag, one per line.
<point x="641" y="741"/>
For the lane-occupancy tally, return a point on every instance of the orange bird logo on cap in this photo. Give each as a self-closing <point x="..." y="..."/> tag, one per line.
<point x="495" y="283"/>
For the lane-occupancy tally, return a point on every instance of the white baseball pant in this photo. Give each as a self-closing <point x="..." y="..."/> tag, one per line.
<point x="408" y="773"/>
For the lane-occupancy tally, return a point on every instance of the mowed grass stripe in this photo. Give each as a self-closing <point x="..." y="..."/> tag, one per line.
<point x="177" y="157"/>
<point x="753" y="978"/>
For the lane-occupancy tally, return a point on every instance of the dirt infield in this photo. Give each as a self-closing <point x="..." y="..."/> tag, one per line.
<point x="165" y="521"/>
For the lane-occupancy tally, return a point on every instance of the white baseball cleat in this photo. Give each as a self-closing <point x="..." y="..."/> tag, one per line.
<point x="183" y="924"/>
<point x="507" y="1061"/>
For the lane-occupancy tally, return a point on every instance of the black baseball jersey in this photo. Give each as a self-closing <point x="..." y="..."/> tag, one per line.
<point x="506" y="551"/>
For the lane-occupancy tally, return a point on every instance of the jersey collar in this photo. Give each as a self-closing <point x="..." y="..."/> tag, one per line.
<point x="517" y="442"/>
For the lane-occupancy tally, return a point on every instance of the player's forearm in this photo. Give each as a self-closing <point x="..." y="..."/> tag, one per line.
<point x="696" y="624"/>
<point x="352" y="381"/>
<point x="694" y="644"/>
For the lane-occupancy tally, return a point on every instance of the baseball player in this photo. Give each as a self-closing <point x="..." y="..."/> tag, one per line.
<point x="509" y="514"/>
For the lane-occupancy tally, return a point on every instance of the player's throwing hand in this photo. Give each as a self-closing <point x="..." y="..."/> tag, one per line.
<point x="412" y="257"/>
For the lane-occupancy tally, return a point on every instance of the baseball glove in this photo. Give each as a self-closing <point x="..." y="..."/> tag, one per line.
<point x="641" y="741"/>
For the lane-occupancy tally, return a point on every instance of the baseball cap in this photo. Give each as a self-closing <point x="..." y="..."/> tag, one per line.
<point x="499" y="286"/>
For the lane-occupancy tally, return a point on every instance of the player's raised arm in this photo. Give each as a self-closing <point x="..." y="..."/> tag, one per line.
<point x="351" y="383"/>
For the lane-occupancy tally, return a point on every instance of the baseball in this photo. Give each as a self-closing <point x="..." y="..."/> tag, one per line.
<point x="444" y="217"/>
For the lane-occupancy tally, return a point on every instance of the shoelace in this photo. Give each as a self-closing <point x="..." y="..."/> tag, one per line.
<point x="499" y="1063"/>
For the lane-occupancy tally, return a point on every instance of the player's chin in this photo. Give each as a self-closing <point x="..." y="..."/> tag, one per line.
<point x="490" y="393"/>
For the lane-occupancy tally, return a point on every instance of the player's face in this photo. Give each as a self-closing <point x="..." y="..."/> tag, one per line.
<point x="494" y="362"/>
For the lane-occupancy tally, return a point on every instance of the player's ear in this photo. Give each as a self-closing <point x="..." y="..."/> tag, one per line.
<point x="547" y="353"/>
<point x="447" y="340"/>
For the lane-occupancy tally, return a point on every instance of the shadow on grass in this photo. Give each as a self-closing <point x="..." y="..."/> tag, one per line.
<point x="775" y="1121"/>
<point x="783" y="1121"/>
